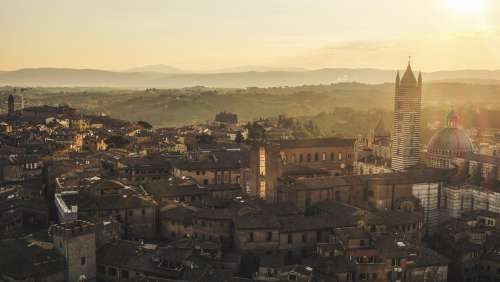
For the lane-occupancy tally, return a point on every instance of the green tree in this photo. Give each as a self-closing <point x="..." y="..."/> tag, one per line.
<point x="144" y="124"/>
<point x="117" y="141"/>
<point x="239" y="138"/>
<point x="205" y="139"/>
<point x="256" y="131"/>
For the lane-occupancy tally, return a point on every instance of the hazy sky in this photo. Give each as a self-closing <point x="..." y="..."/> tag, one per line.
<point x="215" y="34"/>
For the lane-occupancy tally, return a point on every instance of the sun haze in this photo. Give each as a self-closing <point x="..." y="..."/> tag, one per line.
<point x="210" y="35"/>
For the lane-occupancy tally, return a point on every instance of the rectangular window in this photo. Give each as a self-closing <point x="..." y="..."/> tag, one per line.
<point x="396" y="262"/>
<point x="323" y="157"/>
<point x="339" y="157"/>
<point x="269" y="236"/>
<point x="250" y="237"/>
<point x="220" y="179"/>
<point x="83" y="260"/>
<point x="290" y="239"/>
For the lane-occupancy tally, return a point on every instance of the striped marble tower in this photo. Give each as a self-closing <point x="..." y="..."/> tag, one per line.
<point x="407" y="113"/>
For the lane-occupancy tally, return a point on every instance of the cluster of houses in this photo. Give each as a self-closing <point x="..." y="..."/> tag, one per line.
<point x="92" y="198"/>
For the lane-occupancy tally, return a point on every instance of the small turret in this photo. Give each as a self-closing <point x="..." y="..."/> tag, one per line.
<point x="452" y="120"/>
<point x="398" y="80"/>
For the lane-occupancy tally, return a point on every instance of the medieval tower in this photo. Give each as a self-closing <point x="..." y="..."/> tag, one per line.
<point x="76" y="242"/>
<point x="407" y="118"/>
<point x="10" y="104"/>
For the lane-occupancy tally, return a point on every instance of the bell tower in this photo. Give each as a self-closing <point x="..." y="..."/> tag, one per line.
<point x="406" y="121"/>
<point x="10" y="102"/>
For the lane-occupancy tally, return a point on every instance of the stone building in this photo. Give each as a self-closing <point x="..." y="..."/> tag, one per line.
<point x="139" y="170"/>
<point x="358" y="254"/>
<point x="406" y="129"/>
<point x="76" y="242"/>
<point x="476" y="187"/>
<point x="305" y="193"/>
<point x="135" y="211"/>
<point x="176" y="222"/>
<point x="260" y="179"/>
<point x="220" y="167"/>
<point x="135" y="261"/>
<point x="215" y="225"/>
<point x="332" y="154"/>
<point x="373" y="155"/>
<point x="471" y="245"/>
<point x="31" y="258"/>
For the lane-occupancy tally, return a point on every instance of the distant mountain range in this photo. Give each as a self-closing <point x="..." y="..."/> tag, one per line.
<point x="161" y="76"/>
<point x="157" y="68"/>
<point x="171" y="70"/>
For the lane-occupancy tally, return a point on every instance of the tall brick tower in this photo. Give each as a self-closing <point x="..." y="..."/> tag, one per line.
<point x="407" y="118"/>
<point x="10" y="104"/>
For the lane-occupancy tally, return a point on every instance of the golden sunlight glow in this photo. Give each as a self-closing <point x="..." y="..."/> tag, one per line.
<point x="466" y="6"/>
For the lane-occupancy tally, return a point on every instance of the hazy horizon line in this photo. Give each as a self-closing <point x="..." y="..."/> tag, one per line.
<point x="234" y="69"/>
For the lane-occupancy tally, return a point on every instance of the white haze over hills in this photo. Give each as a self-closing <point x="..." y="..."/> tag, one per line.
<point x="173" y="70"/>
<point x="162" y="76"/>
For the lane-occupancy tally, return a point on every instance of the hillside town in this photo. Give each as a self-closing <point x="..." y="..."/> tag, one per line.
<point x="87" y="197"/>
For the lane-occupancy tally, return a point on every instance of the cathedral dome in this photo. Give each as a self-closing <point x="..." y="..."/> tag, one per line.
<point x="448" y="143"/>
<point x="451" y="141"/>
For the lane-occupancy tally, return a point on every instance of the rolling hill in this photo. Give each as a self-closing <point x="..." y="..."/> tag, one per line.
<point x="148" y="79"/>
